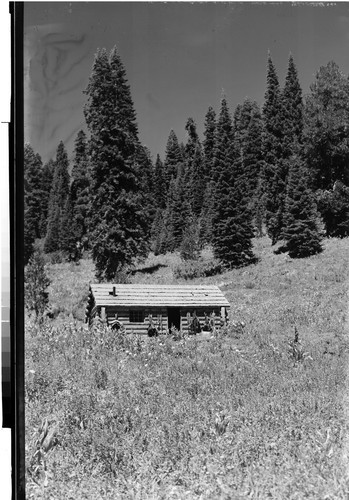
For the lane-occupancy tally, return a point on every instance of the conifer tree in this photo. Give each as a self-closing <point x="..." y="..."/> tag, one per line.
<point x="58" y="197"/>
<point x="70" y="239"/>
<point x="33" y="194"/>
<point x="198" y="184"/>
<point x="47" y="180"/>
<point x="206" y="217"/>
<point x="326" y="125"/>
<point x="35" y="285"/>
<point x="173" y="158"/>
<point x="79" y="202"/>
<point x="333" y="204"/>
<point x="119" y="226"/>
<point x="292" y="111"/>
<point x="205" y="221"/>
<point x="223" y="141"/>
<point x="194" y="180"/>
<point x="159" y="190"/>
<point x="301" y="232"/>
<point x="159" y="233"/>
<point x="326" y="128"/>
<point x="231" y="222"/>
<point x="190" y="245"/>
<point x="248" y="129"/>
<point x="146" y="175"/>
<point x="178" y="213"/>
<point x="272" y="154"/>
<point x="209" y="143"/>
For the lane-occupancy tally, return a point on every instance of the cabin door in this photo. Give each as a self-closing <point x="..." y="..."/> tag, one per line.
<point x="174" y="317"/>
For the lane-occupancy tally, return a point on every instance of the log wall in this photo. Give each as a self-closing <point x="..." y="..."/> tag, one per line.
<point x="159" y="316"/>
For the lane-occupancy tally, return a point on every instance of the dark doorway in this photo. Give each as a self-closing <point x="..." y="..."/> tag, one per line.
<point x="174" y="317"/>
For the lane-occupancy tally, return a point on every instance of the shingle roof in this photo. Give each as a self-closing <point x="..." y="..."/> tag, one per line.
<point x="158" y="295"/>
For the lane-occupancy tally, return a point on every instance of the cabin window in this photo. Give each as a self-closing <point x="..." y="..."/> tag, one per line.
<point x="136" y="316"/>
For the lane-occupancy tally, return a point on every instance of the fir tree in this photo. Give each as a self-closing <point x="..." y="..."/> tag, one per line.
<point x="292" y="111"/>
<point x="159" y="233"/>
<point x="177" y="214"/>
<point x="47" y="180"/>
<point x="190" y="245"/>
<point x="209" y="143"/>
<point x="273" y="183"/>
<point x="301" y="232"/>
<point x="173" y="158"/>
<point x="198" y="185"/>
<point x="248" y="129"/>
<point x="79" y="202"/>
<point x="70" y="232"/>
<point x="58" y="197"/>
<point x="146" y="175"/>
<point x="159" y="190"/>
<point x="194" y="180"/>
<point x="206" y="217"/>
<point x="33" y="194"/>
<point x="119" y="225"/>
<point x="334" y="208"/>
<point x="231" y="222"/>
<point x="222" y="155"/>
<point x="36" y="283"/>
<point x="326" y="128"/>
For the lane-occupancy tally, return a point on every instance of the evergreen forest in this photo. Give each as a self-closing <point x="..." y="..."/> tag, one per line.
<point x="280" y="170"/>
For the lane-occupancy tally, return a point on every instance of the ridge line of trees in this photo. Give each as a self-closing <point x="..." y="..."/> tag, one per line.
<point x="282" y="169"/>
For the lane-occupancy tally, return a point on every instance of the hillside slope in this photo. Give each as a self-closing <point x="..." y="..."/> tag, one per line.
<point x="237" y="416"/>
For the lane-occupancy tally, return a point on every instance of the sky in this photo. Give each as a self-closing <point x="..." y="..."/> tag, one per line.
<point x="180" y="58"/>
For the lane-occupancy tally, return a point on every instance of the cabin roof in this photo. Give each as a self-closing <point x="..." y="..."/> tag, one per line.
<point x="158" y="295"/>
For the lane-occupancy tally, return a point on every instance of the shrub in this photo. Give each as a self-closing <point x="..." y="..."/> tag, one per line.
<point x="195" y="269"/>
<point x="36" y="283"/>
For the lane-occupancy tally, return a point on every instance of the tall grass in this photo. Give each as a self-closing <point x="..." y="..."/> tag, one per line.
<point x="236" y="416"/>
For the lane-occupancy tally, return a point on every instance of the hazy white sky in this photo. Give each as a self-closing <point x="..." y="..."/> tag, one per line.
<point x="178" y="59"/>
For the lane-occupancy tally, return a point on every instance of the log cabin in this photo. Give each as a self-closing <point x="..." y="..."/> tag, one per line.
<point x="136" y="307"/>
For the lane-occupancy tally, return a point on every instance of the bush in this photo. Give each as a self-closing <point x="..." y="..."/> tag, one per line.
<point x="197" y="268"/>
<point x="36" y="283"/>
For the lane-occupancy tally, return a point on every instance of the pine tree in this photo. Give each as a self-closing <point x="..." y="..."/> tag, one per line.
<point x="33" y="194"/>
<point x="231" y="222"/>
<point x="292" y="111"/>
<point x="79" y="202"/>
<point x="70" y="239"/>
<point x="36" y="283"/>
<point x="145" y="169"/>
<point x="159" y="190"/>
<point x="273" y="183"/>
<point x="178" y="213"/>
<point x="58" y="197"/>
<point x="198" y="184"/>
<point x="301" y="232"/>
<point x="334" y="208"/>
<point x="194" y="180"/>
<point x="119" y="225"/>
<point x="47" y="180"/>
<point x="326" y="118"/>
<point x="206" y="217"/>
<point x="248" y="129"/>
<point x="159" y="233"/>
<point x="190" y="245"/>
<point x="223" y="141"/>
<point x="173" y="158"/>
<point x="326" y="125"/>
<point x="209" y="143"/>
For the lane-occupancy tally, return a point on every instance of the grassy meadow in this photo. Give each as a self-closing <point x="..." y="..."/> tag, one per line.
<point x="231" y="417"/>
